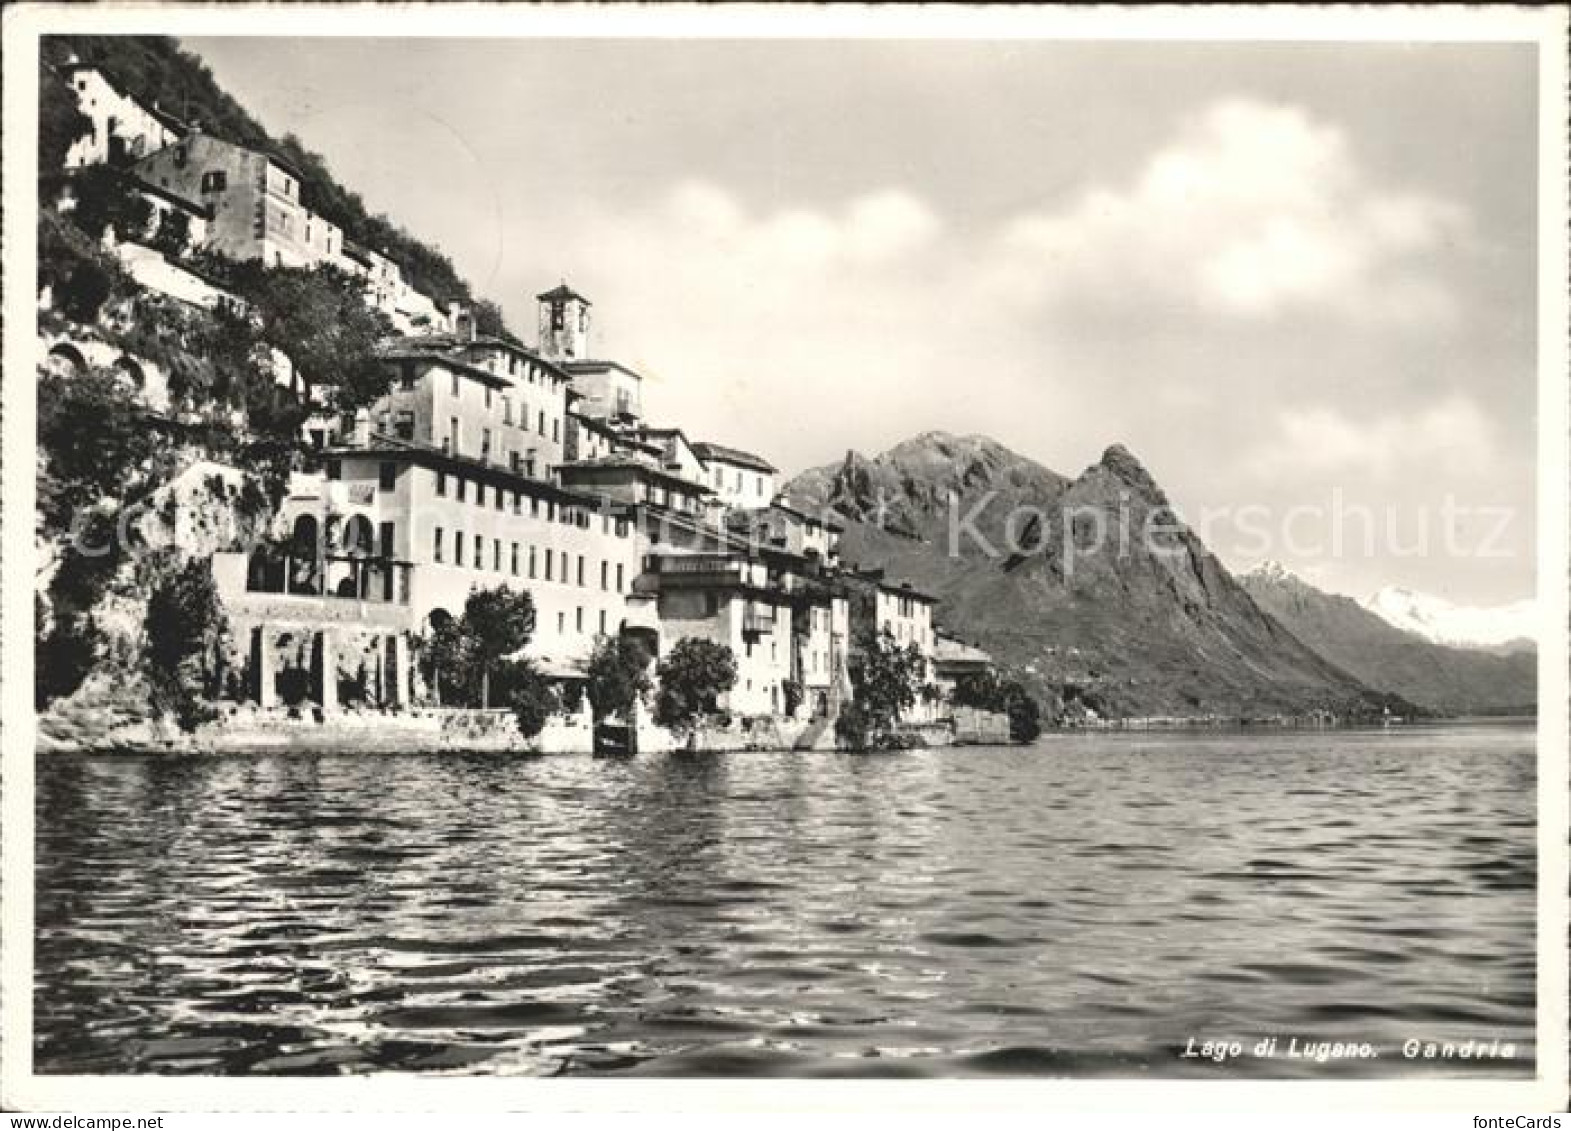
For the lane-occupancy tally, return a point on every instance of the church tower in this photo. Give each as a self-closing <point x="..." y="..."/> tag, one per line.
<point x="564" y="324"/>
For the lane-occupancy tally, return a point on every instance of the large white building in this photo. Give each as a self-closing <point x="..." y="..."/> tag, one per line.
<point x="476" y="469"/>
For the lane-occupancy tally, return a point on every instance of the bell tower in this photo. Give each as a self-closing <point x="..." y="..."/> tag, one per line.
<point x="564" y="324"/>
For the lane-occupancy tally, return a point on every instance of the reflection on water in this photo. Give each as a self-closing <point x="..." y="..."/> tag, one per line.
<point x="1081" y="907"/>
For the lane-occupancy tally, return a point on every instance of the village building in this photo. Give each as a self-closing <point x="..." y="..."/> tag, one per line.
<point x="252" y="210"/>
<point x="954" y="660"/>
<point x="740" y="479"/>
<point x="123" y="129"/>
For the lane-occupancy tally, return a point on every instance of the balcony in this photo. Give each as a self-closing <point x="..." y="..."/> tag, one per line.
<point x="696" y="569"/>
<point x="758" y="620"/>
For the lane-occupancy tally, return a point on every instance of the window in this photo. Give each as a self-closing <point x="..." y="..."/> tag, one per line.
<point x="406" y="376"/>
<point x="605" y="575"/>
<point x="534" y="507"/>
<point x="531" y="562"/>
<point x="556" y="431"/>
<point x="436" y="554"/>
<point x="479" y="494"/>
<point x="452" y="434"/>
<point x="335" y="469"/>
<point x="485" y="445"/>
<point x="602" y="622"/>
<point x="387" y="476"/>
<point x="458" y="547"/>
<point x="404" y="425"/>
<point x="496" y="554"/>
<point x="518" y="502"/>
<point x="501" y="499"/>
<point x="548" y="563"/>
<point x="561" y="622"/>
<point x="507" y="410"/>
<point x="215" y="180"/>
<point x="463" y="488"/>
<point x="618" y="577"/>
<point x="515" y="560"/>
<point x="488" y="396"/>
<point x="180" y="157"/>
<point x="386" y="532"/>
<point x="479" y="552"/>
<point x="580" y="569"/>
<point x="578" y="619"/>
<point x="541" y="427"/>
<point x="455" y="382"/>
<point x="441" y="484"/>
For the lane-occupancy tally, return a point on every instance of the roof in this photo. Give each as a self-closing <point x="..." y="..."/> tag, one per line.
<point x="448" y="349"/>
<point x="389" y="447"/>
<point x="709" y="453"/>
<point x="149" y="189"/>
<point x="949" y="650"/>
<point x="899" y="588"/>
<point x="616" y="435"/>
<point x="562" y="292"/>
<point x="621" y="462"/>
<point x="596" y="365"/>
<point x="826" y="523"/>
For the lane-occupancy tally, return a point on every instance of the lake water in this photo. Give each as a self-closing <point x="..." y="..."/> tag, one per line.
<point x="1081" y="907"/>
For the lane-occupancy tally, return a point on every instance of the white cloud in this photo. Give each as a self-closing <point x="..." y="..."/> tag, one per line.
<point x="806" y="328"/>
<point x="1314" y="443"/>
<point x="1253" y="211"/>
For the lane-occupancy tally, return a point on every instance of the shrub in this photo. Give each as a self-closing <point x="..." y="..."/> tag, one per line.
<point x="185" y="622"/>
<point x="618" y="676"/>
<point x="693" y="677"/>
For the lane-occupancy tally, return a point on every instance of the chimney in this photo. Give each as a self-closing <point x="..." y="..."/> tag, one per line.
<point x="464" y="324"/>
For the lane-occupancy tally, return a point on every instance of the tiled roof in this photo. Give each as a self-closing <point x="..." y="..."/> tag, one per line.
<point x="626" y="461"/>
<point x="707" y="452"/>
<point x="562" y="292"/>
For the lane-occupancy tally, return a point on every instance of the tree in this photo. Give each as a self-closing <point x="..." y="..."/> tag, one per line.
<point x="884" y="682"/>
<point x="65" y="647"/>
<point x="1025" y="714"/>
<point x="489" y="321"/>
<point x="445" y="660"/>
<point x="60" y="121"/>
<point x="498" y="623"/>
<point x="463" y="655"/>
<point x="95" y="440"/>
<point x="527" y="692"/>
<point x="86" y="289"/>
<point x="692" y="678"/>
<point x="184" y="625"/>
<point x="107" y="198"/>
<point x="317" y="317"/>
<point x="618" y="676"/>
<point x="988" y="691"/>
<point x="173" y="233"/>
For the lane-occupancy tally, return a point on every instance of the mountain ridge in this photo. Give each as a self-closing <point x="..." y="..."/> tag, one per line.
<point x="1060" y="579"/>
<point x="1442" y="679"/>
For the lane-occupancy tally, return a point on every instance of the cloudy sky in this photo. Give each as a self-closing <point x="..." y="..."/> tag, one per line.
<point x="1282" y="275"/>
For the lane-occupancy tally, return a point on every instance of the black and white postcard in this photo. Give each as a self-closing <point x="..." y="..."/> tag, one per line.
<point x="1017" y="548"/>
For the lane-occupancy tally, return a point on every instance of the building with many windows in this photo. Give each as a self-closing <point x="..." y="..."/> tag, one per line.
<point x="477" y="469"/>
<point x="739" y="478"/>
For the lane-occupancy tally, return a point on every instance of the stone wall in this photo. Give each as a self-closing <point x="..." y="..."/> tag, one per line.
<point x="981" y="728"/>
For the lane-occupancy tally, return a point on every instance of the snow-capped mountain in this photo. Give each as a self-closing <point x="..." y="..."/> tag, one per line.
<point x="1457" y="626"/>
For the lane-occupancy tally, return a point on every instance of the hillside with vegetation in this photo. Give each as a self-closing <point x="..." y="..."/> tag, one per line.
<point x="156" y="71"/>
